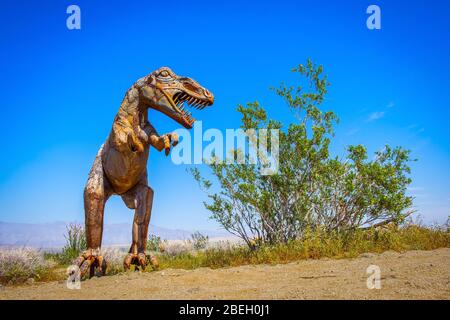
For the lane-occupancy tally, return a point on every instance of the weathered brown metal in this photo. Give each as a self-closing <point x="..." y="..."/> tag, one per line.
<point x="120" y="166"/>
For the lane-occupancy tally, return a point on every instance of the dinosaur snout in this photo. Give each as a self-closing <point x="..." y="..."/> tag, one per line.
<point x="208" y="95"/>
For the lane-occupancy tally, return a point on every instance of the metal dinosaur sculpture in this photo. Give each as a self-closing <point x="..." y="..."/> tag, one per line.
<point x="120" y="166"/>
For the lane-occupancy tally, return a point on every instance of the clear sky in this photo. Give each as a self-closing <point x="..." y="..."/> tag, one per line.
<point x="60" y="89"/>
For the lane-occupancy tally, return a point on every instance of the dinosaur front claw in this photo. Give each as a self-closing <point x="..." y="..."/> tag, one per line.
<point x="168" y="139"/>
<point x="90" y="260"/>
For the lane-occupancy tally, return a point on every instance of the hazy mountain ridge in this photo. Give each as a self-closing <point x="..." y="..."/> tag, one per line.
<point x="51" y="235"/>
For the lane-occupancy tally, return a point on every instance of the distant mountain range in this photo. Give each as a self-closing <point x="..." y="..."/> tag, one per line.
<point x="51" y="235"/>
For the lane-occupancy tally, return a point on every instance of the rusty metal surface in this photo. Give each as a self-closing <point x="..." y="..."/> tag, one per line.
<point x="120" y="166"/>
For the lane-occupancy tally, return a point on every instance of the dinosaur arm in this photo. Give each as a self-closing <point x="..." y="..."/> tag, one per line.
<point x="160" y="142"/>
<point x="152" y="137"/>
<point x="157" y="142"/>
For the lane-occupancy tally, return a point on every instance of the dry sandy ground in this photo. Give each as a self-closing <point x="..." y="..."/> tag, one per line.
<point x="409" y="275"/>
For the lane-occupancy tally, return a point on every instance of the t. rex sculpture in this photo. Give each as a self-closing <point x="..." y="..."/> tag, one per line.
<point x="120" y="166"/>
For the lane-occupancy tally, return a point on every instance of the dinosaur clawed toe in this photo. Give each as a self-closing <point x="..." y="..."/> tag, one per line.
<point x="90" y="260"/>
<point x="139" y="260"/>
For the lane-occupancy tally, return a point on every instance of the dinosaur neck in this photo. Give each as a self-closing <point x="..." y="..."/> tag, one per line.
<point x="132" y="111"/>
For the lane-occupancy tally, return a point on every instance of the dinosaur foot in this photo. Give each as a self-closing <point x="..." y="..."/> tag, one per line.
<point x="139" y="260"/>
<point x="90" y="260"/>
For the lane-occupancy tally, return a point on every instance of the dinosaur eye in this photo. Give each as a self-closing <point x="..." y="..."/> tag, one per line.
<point x="164" y="73"/>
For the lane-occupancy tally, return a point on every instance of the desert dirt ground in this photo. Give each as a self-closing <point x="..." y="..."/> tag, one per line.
<point x="408" y="275"/>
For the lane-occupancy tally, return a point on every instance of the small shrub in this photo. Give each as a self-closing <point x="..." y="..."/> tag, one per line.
<point x="19" y="264"/>
<point x="154" y="243"/>
<point x="75" y="243"/>
<point x="199" y="240"/>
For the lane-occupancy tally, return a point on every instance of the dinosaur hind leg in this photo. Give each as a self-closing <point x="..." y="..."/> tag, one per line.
<point x="96" y="193"/>
<point x="139" y="198"/>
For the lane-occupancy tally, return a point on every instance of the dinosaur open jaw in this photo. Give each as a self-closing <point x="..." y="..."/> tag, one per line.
<point x="181" y="100"/>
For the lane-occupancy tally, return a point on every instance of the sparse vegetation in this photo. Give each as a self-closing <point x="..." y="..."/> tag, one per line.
<point x="21" y="265"/>
<point x="75" y="244"/>
<point x="314" y="245"/>
<point x="17" y="265"/>
<point x="199" y="240"/>
<point x="154" y="243"/>
<point x="114" y="258"/>
<point x="179" y="248"/>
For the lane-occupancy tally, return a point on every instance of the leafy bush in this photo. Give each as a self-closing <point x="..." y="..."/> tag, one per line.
<point x="199" y="240"/>
<point x="19" y="264"/>
<point x="312" y="190"/>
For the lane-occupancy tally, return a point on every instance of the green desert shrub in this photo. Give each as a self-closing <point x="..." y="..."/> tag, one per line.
<point x="154" y="243"/>
<point x="199" y="240"/>
<point x="312" y="190"/>
<point x="75" y="243"/>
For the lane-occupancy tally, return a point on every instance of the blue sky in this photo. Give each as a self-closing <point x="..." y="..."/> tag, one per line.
<point x="61" y="89"/>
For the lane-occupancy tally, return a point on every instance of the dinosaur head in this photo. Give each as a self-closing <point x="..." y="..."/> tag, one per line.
<point x="171" y="94"/>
